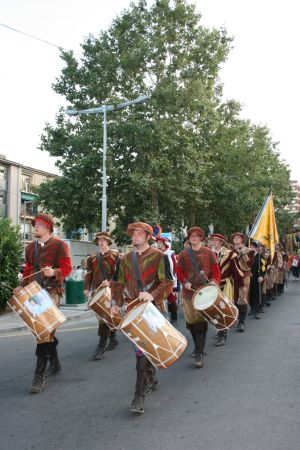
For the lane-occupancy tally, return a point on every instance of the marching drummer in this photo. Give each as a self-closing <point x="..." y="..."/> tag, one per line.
<point x="100" y="269"/>
<point x="196" y="266"/>
<point x="232" y="276"/>
<point x="143" y="273"/>
<point x="50" y="257"/>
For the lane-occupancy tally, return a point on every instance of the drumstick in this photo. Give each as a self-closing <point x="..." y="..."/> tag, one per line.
<point x="35" y="273"/>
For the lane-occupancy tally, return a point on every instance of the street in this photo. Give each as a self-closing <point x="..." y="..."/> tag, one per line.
<point x="247" y="395"/>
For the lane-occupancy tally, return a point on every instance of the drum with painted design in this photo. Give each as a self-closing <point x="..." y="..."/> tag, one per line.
<point x="151" y="332"/>
<point x="36" y="309"/>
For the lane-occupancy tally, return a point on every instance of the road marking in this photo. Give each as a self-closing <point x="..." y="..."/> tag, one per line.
<point x="27" y="333"/>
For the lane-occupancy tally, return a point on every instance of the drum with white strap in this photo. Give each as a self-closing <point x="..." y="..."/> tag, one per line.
<point x="215" y="307"/>
<point x="36" y="309"/>
<point x="151" y="332"/>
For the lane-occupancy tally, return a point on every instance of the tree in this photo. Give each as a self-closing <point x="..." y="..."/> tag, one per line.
<point x="10" y="259"/>
<point x="184" y="157"/>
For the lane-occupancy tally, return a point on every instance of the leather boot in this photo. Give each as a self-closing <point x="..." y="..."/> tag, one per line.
<point x="100" y="349"/>
<point x="137" y="404"/>
<point x="113" y="341"/>
<point x="54" y="364"/>
<point x="39" y="376"/>
<point x="194" y="340"/>
<point x="199" y="351"/>
<point x="152" y="381"/>
<point x="221" y="339"/>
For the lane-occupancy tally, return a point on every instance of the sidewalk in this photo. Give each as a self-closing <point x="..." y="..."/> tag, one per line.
<point x="10" y="322"/>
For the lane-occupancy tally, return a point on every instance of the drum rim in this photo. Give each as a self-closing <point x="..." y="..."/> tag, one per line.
<point x="202" y="288"/>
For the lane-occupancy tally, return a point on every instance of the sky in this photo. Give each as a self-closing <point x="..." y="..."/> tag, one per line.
<point x="262" y="70"/>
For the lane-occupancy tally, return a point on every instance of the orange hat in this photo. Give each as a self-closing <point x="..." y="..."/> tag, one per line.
<point x="44" y="218"/>
<point x="217" y="236"/>
<point x="139" y="226"/>
<point x="196" y="230"/>
<point x="237" y="233"/>
<point x="104" y="235"/>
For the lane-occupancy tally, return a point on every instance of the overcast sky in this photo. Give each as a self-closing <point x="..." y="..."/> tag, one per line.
<point x="262" y="71"/>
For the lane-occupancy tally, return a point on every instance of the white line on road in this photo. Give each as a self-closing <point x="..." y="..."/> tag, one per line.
<point x="27" y="333"/>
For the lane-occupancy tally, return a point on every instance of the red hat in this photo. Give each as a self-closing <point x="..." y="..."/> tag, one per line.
<point x="196" y="230"/>
<point x="139" y="226"/>
<point x="217" y="236"/>
<point x="104" y="235"/>
<point x="44" y="218"/>
<point x="237" y="233"/>
<point x="164" y="240"/>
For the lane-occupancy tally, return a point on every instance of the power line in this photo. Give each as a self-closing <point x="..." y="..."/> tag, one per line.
<point x="34" y="37"/>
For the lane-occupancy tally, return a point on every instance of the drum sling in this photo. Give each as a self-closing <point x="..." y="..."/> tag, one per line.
<point x="197" y="268"/>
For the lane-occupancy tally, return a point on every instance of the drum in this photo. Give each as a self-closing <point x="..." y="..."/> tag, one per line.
<point x="100" y="303"/>
<point x="213" y="305"/>
<point x="36" y="309"/>
<point x="148" y="329"/>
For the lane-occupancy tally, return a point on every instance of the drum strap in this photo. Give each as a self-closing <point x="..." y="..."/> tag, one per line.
<point x="137" y="272"/>
<point x="38" y="276"/>
<point x="101" y="266"/>
<point x="197" y="267"/>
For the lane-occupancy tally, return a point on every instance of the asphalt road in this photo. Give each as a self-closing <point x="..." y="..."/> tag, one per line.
<point x="246" y="397"/>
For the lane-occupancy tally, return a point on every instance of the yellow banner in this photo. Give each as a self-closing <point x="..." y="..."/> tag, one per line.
<point x="264" y="229"/>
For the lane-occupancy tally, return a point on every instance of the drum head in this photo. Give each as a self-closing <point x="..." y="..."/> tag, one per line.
<point x="136" y="311"/>
<point x="98" y="294"/>
<point x="205" y="297"/>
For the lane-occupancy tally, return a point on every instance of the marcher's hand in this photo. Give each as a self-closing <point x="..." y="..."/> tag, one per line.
<point x="17" y="290"/>
<point x="48" y="271"/>
<point x="244" y="290"/>
<point x="115" y="310"/>
<point x="105" y="283"/>
<point x="260" y="279"/>
<point x="86" y="292"/>
<point x="188" y="286"/>
<point x="146" y="296"/>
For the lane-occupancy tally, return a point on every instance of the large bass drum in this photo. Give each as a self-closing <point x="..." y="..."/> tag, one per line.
<point x="151" y="332"/>
<point x="36" y="309"/>
<point x="215" y="307"/>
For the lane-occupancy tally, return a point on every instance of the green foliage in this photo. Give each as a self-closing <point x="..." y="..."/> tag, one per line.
<point x="10" y="259"/>
<point x="185" y="157"/>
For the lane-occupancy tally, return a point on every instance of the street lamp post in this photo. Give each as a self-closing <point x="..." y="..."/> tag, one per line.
<point x="104" y="109"/>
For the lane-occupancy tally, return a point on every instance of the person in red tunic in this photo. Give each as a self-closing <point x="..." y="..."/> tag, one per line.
<point x="51" y="256"/>
<point x="232" y="277"/>
<point x="195" y="267"/>
<point x="100" y="269"/>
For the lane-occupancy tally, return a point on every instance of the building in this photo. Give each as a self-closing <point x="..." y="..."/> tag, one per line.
<point x="295" y="207"/>
<point x="17" y="196"/>
<point x="17" y="202"/>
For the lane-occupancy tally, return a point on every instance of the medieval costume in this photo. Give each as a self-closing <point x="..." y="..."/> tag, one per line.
<point x="100" y="268"/>
<point x="143" y="273"/>
<point x="245" y="261"/>
<point x="232" y="277"/>
<point x="195" y="267"/>
<point x="53" y="256"/>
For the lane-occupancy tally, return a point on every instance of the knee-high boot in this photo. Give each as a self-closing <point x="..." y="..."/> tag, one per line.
<point x="242" y="317"/>
<point x="43" y="353"/>
<point x="200" y="337"/>
<point x="137" y="404"/>
<point x="152" y="381"/>
<point x="54" y="366"/>
<point x="113" y="341"/>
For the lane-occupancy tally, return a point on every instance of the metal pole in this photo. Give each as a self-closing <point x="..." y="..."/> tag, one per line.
<point x="104" y="197"/>
<point x="24" y="226"/>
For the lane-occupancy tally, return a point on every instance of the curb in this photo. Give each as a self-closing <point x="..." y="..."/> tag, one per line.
<point x="82" y="315"/>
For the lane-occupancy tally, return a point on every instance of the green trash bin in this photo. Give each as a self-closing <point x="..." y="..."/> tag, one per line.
<point x="74" y="292"/>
